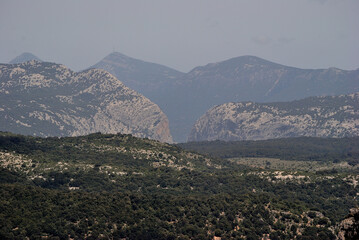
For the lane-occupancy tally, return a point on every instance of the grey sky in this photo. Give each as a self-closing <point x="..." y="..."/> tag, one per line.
<point x="183" y="34"/>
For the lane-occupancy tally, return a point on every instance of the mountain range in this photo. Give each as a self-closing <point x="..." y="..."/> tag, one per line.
<point x="184" y="97"/>
<point x="331" y="116"/>
<point x="48" y="99"/>
<point x="119" y="186"/>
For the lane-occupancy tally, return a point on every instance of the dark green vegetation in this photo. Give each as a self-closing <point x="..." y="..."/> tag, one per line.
<point x="299" y="149"/>
<point x="104" y="186"/>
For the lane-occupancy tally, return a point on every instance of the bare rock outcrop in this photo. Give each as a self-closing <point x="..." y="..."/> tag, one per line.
<point x="47" y="99"/>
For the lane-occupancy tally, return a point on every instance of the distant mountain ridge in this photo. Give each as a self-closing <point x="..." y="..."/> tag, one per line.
<point x="48" y="99"/>
<point x="185" y="97"/>
<point x="144" y="77"/>
<point x="24" y="57"/>
<point x="331" y="116"/>
<point x="250" y="78"/>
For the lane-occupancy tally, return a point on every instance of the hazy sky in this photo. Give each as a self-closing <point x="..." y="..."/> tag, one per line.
<point x="183" y="34"/>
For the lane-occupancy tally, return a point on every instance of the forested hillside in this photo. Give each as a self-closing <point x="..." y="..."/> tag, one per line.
<point x="103" y="186"/>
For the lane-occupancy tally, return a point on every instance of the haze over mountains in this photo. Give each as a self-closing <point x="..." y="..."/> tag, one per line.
<point x="48" y="99"/>
<point x="185" y="97"/>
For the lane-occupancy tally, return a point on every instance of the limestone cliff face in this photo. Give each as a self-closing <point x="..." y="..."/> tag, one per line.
<point x="332" y="116"/>
<point x="47" y="99"/>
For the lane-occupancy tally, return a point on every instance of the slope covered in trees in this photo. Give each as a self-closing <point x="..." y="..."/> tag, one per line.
<point x="104" y="186"/>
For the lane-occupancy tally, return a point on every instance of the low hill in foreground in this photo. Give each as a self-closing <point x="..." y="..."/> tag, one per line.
<point x="104" y="186"/>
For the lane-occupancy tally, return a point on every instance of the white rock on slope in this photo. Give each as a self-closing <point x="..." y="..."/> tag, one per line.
<point x="332" y="116"/>
<point x="47" y="99"/>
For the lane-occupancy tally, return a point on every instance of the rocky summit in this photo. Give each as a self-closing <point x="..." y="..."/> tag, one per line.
<point x="331" y="116"/>
<point x="47" y="99"/>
